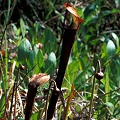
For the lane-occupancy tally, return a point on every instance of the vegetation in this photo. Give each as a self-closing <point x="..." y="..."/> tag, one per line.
<point x="30" y="43"/>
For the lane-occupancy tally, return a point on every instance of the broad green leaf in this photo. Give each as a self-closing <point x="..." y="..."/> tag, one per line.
<point x="116" y="39"/>
<point x="24" y="49"/>
<point x="49" y="40"/>
<point x="35" y="32"/>
<point x="39" y="59"/>
<point x="36" y="50"/>
<point x="104" y="50"/>
<point x="52" y="58"/>
<point x="73" y="66"/>
<point x="111" y="47"/>
<point x="37" y="28"/>
<point x="23" y="27"/>
<point x="89" y="9"/>
<point x="31" y="59"/>
<point x="71" y="73"/>
<point x="36" y="58"/>
<point x="82" y="63"/>
<point x="51" y="63"/>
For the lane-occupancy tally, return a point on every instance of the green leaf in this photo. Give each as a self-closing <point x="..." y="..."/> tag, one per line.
<point x="2" y="107"/>
<point x="52" y="58"/>
<point x="36" y="50"/>
<point x="78" y="108"/>
<point x="81" y="74"/>
<point x="23" y="27"/>
<point x="49" y="40"/>
<point x="106" y="12"/>
<point x="35" y="32"/>
<point x="107" y="84"/>
<point x="51" y="63"/>
<point x="31" y="59"/>
<point x="40" y="60"/>
<point x="36" y="57"/>
<point x="37" y="26"/>
<point x="111" y="47"/>
<point x="111" y="107"/>
<point x="24" y="49"/>
<point x="116" y="39"/>
<point x="88" y="11"/>
<point x="72" y="71"/>
<point x="35" y="116"/>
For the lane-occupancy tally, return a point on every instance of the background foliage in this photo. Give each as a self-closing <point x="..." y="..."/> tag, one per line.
<point x="30" y="35"/>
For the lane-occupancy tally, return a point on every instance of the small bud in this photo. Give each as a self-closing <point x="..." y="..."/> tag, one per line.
<point x="40" y="45"/>
<point x="99" y="75"/>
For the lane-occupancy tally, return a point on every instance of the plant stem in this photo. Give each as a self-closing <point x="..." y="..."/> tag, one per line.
<point x="30" y="100"/>
<point x="68" y="41"/>
<point x="35" y="82"/>
<point x="91" y="101"/>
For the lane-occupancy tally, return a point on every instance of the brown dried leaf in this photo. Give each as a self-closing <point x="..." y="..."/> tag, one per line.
<point x="39" y="79"/>
<point x="73" y="11"/>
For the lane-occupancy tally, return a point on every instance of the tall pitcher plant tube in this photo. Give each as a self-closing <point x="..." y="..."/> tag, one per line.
<point x="68" y="41"/>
